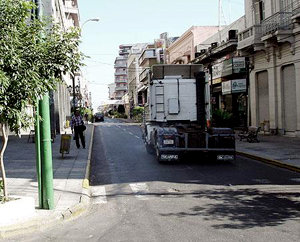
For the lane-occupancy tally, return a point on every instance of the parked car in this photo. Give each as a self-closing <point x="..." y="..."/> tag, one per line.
<point x="99" y="117"/>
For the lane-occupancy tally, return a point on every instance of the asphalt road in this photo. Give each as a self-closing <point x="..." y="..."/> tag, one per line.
<point x="137" y="199"/>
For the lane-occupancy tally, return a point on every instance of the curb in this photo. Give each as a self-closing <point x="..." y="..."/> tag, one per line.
<point x="40" y="223"/>
<point x="269" y="161"/>
<point x="86" y="180"/>
<point x="81" y="207"/>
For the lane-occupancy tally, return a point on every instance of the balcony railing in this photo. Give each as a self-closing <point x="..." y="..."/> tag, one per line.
<point x="120" y="65"/>
<point x="124" y="88"/>
<point x="296" y="7"/>
<point x="254" y="30"/>
<point x="71" y="6"/>
<point x="147" y="54"/>
<point x="120" y="73"/>
<point x="144" y="74"/>
<point x="121" y="81"/>
<point x="278" y="21"/>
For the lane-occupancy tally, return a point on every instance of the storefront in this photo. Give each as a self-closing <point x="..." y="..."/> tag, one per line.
<point x="229" y="89"/>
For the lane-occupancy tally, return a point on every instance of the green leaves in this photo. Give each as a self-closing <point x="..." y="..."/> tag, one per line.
<point x="33" y="55"/>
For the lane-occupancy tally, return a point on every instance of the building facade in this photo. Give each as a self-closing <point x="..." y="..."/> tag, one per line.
<point x="271" y="39"/>
<point x="121" y="72"/>
<point x="148" y="57"/>
<point x="228" y="72"/>
<point x="65" y="13"/>
<point x="111" y="91"/>
<point x="182" y="51"/>
<point x="134" y="72"/>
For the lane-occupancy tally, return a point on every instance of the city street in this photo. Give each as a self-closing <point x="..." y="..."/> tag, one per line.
<point x="137" y="199"/>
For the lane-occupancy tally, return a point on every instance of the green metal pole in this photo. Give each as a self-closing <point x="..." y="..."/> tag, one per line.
<point x="46" y="169"/>
<point x="46" y="153"/>
<point x="38" y="154"/>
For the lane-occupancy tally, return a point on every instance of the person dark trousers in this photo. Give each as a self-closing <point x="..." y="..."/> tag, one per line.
<point x="79" y="134"/>
<point x="77" y="125"/>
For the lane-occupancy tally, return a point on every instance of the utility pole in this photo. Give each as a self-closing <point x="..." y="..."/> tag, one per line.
<point x="43" y="145"/>
<point x="219" y="20"/>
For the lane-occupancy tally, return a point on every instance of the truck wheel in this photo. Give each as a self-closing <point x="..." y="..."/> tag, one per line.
<point x="158" y="155"/>
<point x="150" y="149"/>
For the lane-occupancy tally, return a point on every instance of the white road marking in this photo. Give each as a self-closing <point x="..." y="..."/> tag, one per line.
<point x="130" y="133"/>
<point x="139" y="189"/>
<point x="262" y="181"/>
<point x="99" y="194"/>
<point x="295" y="179"/>
<point x="137" y="137"/>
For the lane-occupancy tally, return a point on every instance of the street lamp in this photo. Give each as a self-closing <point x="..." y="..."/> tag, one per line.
<point x="89" y="20"/>
<point x="73" y="87"/>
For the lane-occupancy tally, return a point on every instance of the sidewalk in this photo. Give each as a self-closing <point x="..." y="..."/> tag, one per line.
<point x="70" y="197"/>
<point x="277" y="150"/>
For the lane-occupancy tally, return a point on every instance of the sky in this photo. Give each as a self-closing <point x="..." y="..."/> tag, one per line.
<point x="138" y="21"/>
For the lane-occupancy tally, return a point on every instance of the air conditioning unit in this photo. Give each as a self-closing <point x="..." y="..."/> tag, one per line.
<point x="214" y="45"/>
<point x="232" y="34"/>
<point x="197" y="54"/>
<point x="198" y="48"/>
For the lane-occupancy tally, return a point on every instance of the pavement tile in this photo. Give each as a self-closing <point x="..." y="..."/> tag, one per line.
<point x="279" y="148"/>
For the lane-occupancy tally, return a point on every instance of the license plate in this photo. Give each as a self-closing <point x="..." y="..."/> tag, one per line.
<point x="225" y="157"/>
<point x="168" y="142"/>
<point x="169" y="157"/>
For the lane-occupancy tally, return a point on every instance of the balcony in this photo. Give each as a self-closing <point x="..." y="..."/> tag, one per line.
<point x="280" y="21"/>
<point x="144" y="75"/>
<point x="121" y="73"/>
<point x="124" y="52"/>
<point x="120" y="80"/>
<point x="147" y="54"/>
<point x="250" y="36"/>
<point x="296" y="10"/>
<point x="120" y="65"/>
<point x="121" y="88"/>
<point x="71" y="6"/>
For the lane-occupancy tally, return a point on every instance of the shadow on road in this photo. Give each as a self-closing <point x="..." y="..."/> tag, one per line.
<point x="245" y="208"/>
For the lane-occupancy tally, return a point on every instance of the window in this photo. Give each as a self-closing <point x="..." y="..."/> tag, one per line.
<point x="286" y="5"/>
<point x="259" y="7"/>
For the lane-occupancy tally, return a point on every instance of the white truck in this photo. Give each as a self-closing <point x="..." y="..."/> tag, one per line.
<point x="177" y="115"/>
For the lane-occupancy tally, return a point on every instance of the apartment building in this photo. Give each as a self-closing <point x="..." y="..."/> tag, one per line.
<point x="121" y="72"/>
<point x="65" y="13"/>
<point x="134" y="72"/>
<point x="111" y="91"/>
<point x="271" y="39"/>
<point x="149" y="56"/>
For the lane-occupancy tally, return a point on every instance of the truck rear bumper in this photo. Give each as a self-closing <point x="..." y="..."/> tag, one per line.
<point x="175" y="149"/>
<point x="222" y="154"/>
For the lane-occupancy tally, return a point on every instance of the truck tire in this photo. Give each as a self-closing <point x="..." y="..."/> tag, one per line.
<point x="150" y="149"/>
<point x="158" y="155"/>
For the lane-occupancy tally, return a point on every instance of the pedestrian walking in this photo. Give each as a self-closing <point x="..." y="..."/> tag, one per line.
<point x="77" y="126"/>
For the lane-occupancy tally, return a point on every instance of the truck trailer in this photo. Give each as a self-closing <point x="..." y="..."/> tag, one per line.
<point x="177" y="116"/>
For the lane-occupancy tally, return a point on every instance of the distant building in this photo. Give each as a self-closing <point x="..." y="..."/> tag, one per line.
<point x="182" y="51"/>
<point x="134" y="72"/>
<point x="111" y="91"/>
<point x="121" y="78"/>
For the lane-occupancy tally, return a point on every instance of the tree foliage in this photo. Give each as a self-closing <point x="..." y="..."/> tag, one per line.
<point x="33" y="55"/>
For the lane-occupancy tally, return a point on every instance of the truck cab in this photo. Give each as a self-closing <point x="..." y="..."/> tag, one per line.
<point x="177" y="115"/>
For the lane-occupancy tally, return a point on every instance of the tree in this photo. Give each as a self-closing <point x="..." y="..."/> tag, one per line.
<point x="34" y="53"/>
